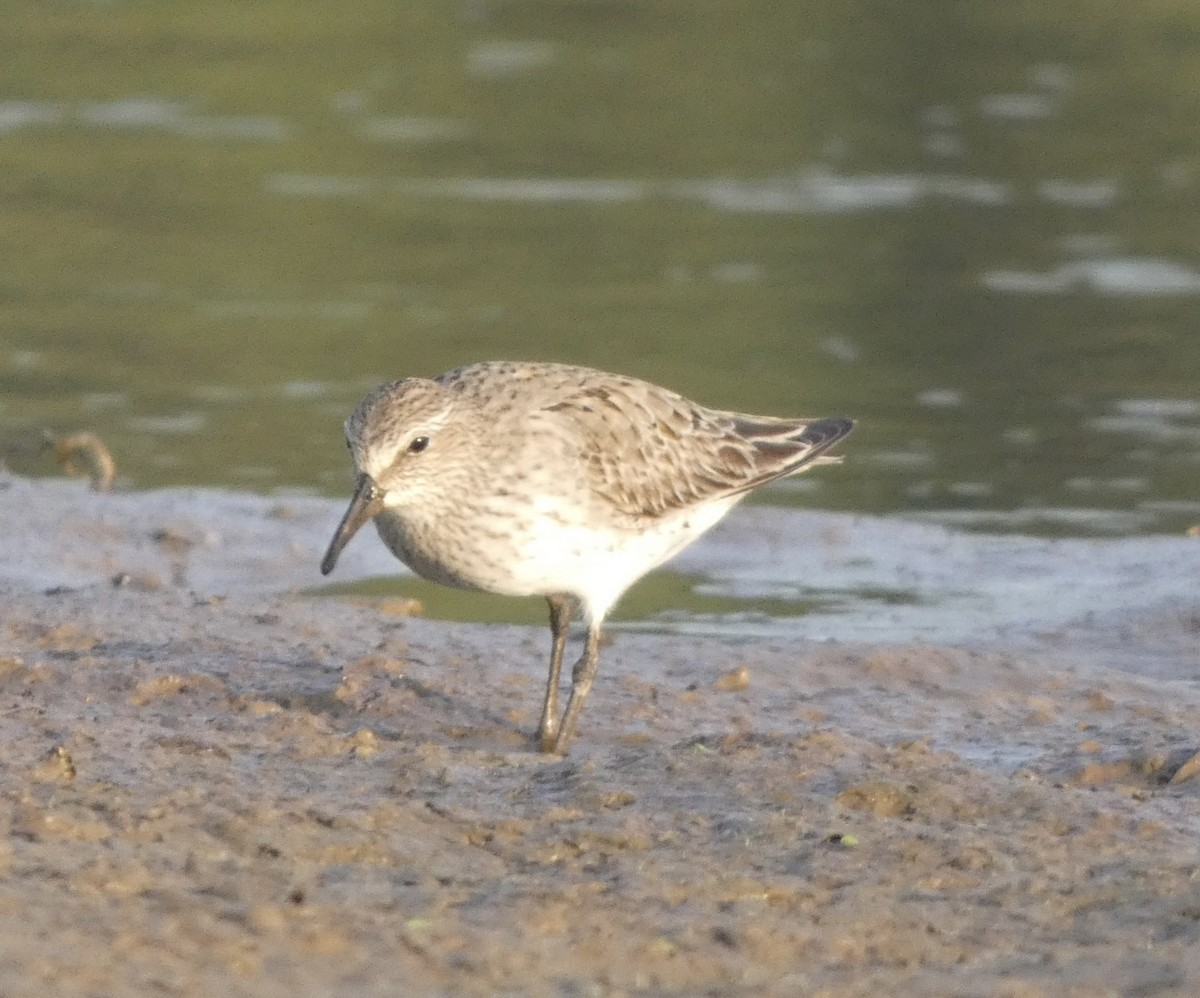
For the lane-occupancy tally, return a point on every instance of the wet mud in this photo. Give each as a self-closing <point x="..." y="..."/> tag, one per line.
<point x="215" y="784"/>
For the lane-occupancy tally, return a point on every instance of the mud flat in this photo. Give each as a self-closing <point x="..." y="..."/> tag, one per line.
<point x="217" y="784"/>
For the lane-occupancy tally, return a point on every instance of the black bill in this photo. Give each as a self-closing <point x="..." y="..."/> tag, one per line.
<point x="364" y="504"/>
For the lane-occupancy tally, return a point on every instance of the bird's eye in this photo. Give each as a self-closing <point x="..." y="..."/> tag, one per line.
<point x="418" y="445"/>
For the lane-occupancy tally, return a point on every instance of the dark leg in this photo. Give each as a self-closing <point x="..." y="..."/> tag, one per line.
<point x="582" y="677"/>
<point x="560" y="624"/>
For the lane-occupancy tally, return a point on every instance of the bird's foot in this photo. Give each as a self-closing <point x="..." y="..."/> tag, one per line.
<point x="547" y="738"/>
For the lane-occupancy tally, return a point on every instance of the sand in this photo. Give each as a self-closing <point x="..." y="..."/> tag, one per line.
<point x="216" y="784"/>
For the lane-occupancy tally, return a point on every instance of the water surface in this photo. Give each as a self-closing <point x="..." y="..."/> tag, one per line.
<point x="971" y="226"/>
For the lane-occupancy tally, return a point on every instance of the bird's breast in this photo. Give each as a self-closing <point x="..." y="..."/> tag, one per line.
<point x="441" y="551"/>
<point x="542" y="546"/>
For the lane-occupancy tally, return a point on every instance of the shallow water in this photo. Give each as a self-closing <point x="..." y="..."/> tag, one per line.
<point x="764" y="574"/>
<point x="787" y="576"/>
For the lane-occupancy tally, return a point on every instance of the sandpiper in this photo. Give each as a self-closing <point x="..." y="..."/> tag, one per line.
<point x="532" y="479"/>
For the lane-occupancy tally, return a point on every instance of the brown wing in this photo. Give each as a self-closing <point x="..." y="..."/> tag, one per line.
<point x="649" y="451"/>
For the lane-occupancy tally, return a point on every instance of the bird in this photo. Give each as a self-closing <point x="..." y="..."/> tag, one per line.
<point x="554" y="480"/>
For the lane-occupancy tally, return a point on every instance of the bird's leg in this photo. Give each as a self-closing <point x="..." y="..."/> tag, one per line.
<point x="560" y="624"/>
<point x="582" y="677"/>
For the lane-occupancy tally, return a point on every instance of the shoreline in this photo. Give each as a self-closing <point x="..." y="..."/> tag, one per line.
<point x="215" y="784"/>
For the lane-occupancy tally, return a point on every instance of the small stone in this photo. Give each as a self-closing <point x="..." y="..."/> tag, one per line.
<point x="734" y="680"/>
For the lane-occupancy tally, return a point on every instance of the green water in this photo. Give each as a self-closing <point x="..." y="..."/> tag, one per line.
<point x="972" y="225"/>
<point x="659" y="596"/>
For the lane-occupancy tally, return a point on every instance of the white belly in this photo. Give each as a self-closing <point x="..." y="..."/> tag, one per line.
<point x="550" y="550"/>
<point x="597" y="563"/>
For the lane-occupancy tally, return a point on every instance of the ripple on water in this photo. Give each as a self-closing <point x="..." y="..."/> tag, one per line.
<point x="528" y="189"/>
<point x="900" y="458"/>
<point x="815" y="191"/>
<point x="940" y="398"/>
<point x="1018" y="106"/>
<point x="142" y="113"/>
<point x="347" y="310"/>
<point x="25" y="360"/>
<point x="1027" y="518"/>
<point x="219" y="394"/>
<point x="1085" y="194"/>
<point x="18" y="114"/>
<point x="309" y="185"/>
<point x="413" y="130"/>
<point x="179" y="423"/>
<point x="1159" y="408"/>
<point x="179" y="118"/>
<point x="305" y="390"/>
<point x="736" y="272"/>
<point x="1021" y="436"/>
<point x="248" y="127"/>
<point x="502" y="59"/>
<point x="971" y="490"/>
<point x="103" y="401"/>
<point x="1169" y="420"/>
<point x="1115" y="276"/>
<point x="1087" y="484"/>
<point x="132" y="112"/>
<point x="840" y="348"/>
<point x="822" y="191"/>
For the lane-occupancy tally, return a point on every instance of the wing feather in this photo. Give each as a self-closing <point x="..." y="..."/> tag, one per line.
<point x="648" y="451"/>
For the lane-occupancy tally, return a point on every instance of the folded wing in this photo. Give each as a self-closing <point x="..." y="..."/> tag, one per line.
<point x="649" y="451"/>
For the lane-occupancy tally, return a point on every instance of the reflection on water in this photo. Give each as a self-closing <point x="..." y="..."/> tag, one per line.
<point x="971" y="226"/>
<point x="786" y="575"/>
<point x="814" y="191"/>
<point x="1113" y="276"/>
<point x="1162" y="419"/>
<point x="140" y="113"/>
